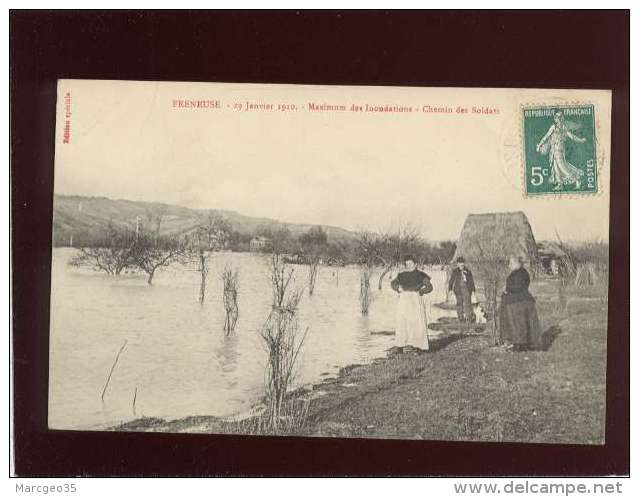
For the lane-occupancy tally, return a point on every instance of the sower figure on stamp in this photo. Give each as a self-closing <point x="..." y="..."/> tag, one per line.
<point x="462" y="285"/>
<point x="553" y="143"/>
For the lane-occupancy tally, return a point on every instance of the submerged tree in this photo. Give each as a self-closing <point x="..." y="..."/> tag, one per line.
<point x="386" y="249"/>
<point x="112" y="256"/>
<point x="365" y="295"/>
<point x="313" y="268"/>
<point x="212" y="234"/>
<point x="367" y="256"/>
<point x="282" y="337"/>
<point x="314" y="245"/>
<point x="230" y="281"/>
<point x="151" y="252"/>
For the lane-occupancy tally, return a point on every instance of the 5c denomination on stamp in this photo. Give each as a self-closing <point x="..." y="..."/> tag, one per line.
<point x="559" y="149"/>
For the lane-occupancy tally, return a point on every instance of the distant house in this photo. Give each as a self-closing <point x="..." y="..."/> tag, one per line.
<point x="496" y="235"/>
<point x="260" y="243"/>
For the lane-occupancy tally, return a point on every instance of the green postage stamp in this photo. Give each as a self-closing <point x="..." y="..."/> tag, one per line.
<point x="559" y="149"/>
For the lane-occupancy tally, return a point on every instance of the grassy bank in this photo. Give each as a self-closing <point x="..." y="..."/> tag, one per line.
<point x="463" y="389"/>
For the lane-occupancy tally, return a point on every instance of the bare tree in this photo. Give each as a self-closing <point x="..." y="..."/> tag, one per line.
<point x="100" y="259"/>
<point x="112" y="257"/>
<point x="203" y="268"/>
<point x="385" y="249"/>
<point x="150" y="253"/>
<point x="313" y="267"/>
<point x="314" y="245"/>
<point x="365" y="295"/>
<point x="367" y="255"/>
<point x="390" y="248"/>
<point x="282" y="337"/>
<point x="230" y="295"/>
<point x="212" y="234"/>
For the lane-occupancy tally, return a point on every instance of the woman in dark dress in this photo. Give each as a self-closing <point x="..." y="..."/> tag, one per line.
<point x="411" y="328"/>
<point x="519" y="322"/>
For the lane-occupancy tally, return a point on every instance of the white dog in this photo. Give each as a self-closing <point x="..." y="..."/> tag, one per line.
<point x="480" y="315"/>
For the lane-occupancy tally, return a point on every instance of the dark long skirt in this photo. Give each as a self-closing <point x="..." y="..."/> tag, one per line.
<point x="519" y="324"/>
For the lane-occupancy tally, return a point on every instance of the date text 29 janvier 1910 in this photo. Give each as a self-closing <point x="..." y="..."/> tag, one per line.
<point x="245" y="106"/>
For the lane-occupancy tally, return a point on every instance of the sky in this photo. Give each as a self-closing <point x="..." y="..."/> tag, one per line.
<point x="355" y="170"/>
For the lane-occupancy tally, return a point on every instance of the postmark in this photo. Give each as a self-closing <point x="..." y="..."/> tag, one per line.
<point x="559" y="149"/>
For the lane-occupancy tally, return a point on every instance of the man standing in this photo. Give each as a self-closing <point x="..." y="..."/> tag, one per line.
<point x="462" y="284"/>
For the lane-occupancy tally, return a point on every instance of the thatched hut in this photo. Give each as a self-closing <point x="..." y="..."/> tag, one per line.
<point x="496" y="235"/>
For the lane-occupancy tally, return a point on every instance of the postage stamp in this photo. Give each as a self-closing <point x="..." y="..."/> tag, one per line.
<point x="559" y="149"/>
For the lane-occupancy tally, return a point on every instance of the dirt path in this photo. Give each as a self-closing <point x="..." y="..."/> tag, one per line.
<point x="469" y="390"/>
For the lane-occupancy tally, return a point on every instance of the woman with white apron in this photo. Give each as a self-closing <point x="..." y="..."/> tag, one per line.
<point x="412" y="323"/>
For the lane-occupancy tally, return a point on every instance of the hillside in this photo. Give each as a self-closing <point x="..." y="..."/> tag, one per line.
<point x="86" y="219"/>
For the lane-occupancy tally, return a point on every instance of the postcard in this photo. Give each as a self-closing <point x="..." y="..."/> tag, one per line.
<point x="330" y="261"/>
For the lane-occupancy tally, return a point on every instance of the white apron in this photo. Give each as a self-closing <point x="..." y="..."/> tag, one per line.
<point x="412" y="323"/>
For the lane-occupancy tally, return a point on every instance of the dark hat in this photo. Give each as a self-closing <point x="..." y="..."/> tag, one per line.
<point x="460" y="259"/>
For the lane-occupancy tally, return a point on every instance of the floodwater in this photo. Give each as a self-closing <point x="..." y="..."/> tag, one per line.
<point x="177" y="360"/>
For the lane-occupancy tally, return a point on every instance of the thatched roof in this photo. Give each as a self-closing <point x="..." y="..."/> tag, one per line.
<point x="496" y="235"/>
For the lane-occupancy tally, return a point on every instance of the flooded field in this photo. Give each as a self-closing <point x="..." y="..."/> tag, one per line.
<point x="177" y="360"/>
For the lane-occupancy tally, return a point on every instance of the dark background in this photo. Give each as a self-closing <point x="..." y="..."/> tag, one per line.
<point x="466" y="48"/>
